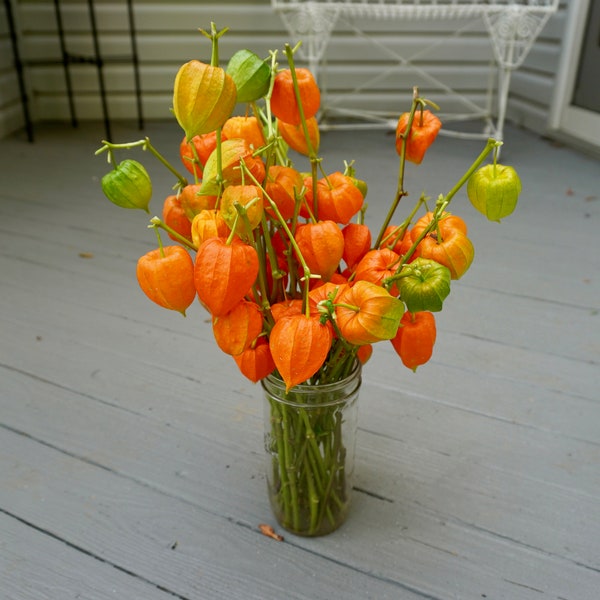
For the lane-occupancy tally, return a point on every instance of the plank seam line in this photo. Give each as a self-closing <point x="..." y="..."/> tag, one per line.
<point x="458" y="521"/>
<point x="71" y="390"/>
<point x="381" y="578"/>
<point x="481" y="338"/>
<point x="105" y="561"/>
<point x="479" y="413"/>
<point x="372" y="494"/>
<point x="541" y="299"/>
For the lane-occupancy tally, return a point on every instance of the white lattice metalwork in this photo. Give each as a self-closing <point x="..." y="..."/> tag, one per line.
<point x="512" y="25"/>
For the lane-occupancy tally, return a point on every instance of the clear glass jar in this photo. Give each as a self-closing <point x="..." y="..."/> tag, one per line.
<point x="310" y="435"/>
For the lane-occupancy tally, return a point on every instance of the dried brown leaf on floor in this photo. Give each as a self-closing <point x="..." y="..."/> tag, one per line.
<point x="270" y="532"/>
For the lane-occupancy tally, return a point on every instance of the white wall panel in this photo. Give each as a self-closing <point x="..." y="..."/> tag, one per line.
<point x="167" y="36"/>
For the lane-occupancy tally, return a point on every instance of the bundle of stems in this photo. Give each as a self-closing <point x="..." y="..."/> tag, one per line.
<point x="310" y="445"/>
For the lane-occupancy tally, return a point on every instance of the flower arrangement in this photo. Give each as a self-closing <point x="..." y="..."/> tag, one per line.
<point x="297" y="286"/>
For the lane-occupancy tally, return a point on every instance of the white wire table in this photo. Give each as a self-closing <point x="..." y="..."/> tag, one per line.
<point x="512" y="26"/>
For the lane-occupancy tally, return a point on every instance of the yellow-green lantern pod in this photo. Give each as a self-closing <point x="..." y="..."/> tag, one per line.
<point x="494" y="191"/>
<point x="203" y="98"/>
<point x="128" y="186"/>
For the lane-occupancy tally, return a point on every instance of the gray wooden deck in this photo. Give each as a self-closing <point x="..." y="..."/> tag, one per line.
<point x="131" y="461"/>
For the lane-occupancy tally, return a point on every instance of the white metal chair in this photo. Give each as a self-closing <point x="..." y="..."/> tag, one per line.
<point x="512" y="25"/>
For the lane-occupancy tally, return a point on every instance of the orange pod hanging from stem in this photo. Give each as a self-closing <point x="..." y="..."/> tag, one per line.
<point x="175" y="217"/>
<point x="322" y="246"/>
<point x="208" y="224"/>
<point x="415" y="338"/>
<point x="256" y="362"/>
<point x="224" y="273"/>
<point x="338" y="198"/>
<point x="366" y="313"/>
<point x="422" y="134"/>
<point x="446" y="244"/>
<point x="236" y="330"/>
<point x="166" y="276"/>
<point x="293" y="136"/>
<point x="376" y="266"/>
<point x="283" y="185"/>
<point x="299" y="346"/>
<point x="284" y="104"/>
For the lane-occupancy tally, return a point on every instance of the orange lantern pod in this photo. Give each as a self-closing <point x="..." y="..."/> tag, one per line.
<point x="424" y="130"/>
<point x="286" y="308"/>
<point x="391" y="238"/>
<point x="447" y="221"/>
<point x="193" y="201"/>
<point x="293" y="135"/>
<point x="364" y="353"/>
<point x="366" y="313"/>
<point x="322" y="245"/>
<point x="284" y="105"/>
<point x="166" y="276"/>
<point x="376" y="266"/>
<point x="232" y="152"/>
<point x="246" y="128"/>
<point x="208" y="224"/>
<point x="415" y="338"/>
<point x="203" y="97"/>
<point x="400" y="245"/>
<point x="283" y="185"/>
<point x="195" y="153"/>
<point x="256" y="362"/>
<point x="175" y="218"/>
<point x="248" y="196"/>
<point x="236" y="330"/>
<point x="338" y="199"/>
<point x="224" y="273"/>
<point x="299" y="346"/>
<point x="357" y="242"/>
<point x="320" y="295"/>
<point x="447" y="244"/>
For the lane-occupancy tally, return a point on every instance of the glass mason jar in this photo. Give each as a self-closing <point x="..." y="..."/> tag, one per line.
<point x="310" y="435"/>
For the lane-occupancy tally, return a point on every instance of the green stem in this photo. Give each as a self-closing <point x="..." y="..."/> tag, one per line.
<point x="289" y="52"/>
<point x="214" y="36"/>
<point x="160" y="244"/>
<point x="491" y="144"/>
<point x="156" y="222"/>
<point x="290" y="235"/>
<point x="444" y="201"/>
<point x="145" y="145"/>
<point x="400" y="192"/>
<point x="281" y="472"/>
<point x="290" y="469"/>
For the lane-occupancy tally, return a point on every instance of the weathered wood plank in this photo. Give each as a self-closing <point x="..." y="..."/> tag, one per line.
<point x="476" y="475"/>
<point x="151" y="446"/>
<point x="37" y="564"/>
<point x="185" y="550"/>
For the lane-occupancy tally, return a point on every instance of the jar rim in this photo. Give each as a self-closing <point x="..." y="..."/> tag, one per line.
<point x="272" y="383"/>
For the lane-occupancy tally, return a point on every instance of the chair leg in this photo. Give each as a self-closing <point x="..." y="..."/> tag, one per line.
<point x="19" y="69"/>
<point x="65" y="60"/>
<point x="100" y="68"/>
<point x="136" y="64"/>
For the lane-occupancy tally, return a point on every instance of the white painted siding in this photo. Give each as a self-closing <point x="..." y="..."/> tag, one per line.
<point x="167" y="36"/>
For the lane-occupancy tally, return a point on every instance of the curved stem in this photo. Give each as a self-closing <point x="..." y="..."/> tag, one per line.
<point x="444" y="201"/>
<point x="155" y="223"/>
<point x="160" y="244"/>
<point x="144" y="144"/>
<point x="400" y="192"/>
